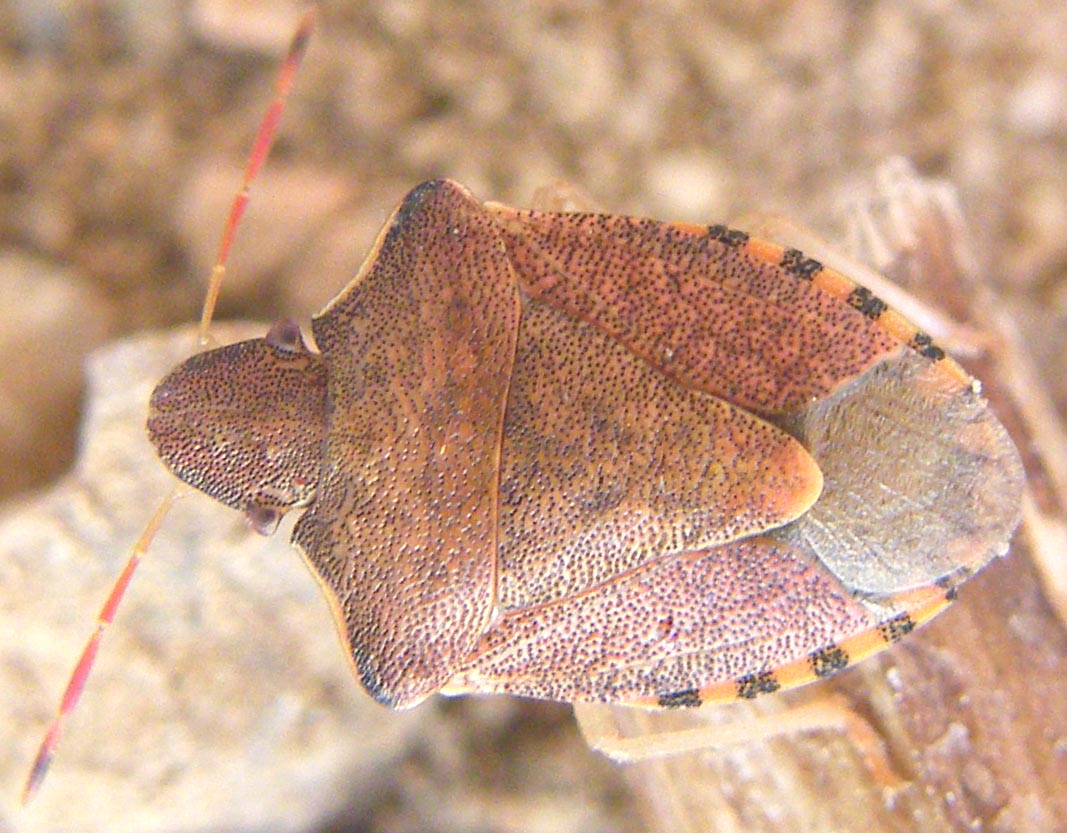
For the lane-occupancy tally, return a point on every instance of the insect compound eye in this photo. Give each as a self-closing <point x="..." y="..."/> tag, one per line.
<point x="263" y="519"/>
<point x="284" y="334"/>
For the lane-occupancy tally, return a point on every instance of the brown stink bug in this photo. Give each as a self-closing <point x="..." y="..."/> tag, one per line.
<point x="593" y="458"/>
<point x="618" y="471"/>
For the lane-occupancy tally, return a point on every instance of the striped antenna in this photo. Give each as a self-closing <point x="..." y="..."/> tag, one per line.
<point x="260" y="150"/>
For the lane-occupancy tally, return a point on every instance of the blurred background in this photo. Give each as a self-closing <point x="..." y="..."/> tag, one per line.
<point x="124" y="126"/>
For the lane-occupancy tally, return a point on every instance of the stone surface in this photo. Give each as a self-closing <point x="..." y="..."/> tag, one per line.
<point x="47" y="315"/>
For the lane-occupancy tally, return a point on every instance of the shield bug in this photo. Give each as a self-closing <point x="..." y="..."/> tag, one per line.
<point x="594" y="458"/>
